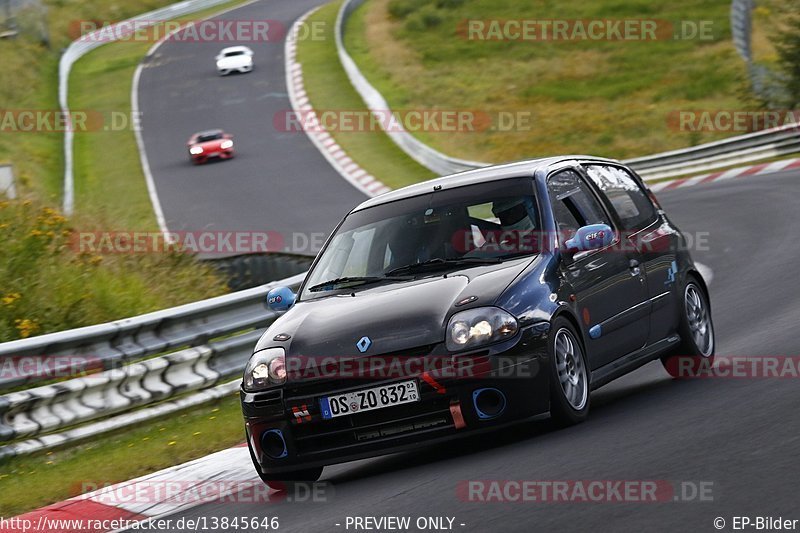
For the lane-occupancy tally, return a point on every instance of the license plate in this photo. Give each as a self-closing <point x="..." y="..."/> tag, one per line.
<point x="351" y="403"/>
<point x="213" y="154"/>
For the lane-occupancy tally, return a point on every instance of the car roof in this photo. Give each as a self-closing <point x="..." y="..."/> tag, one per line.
<point x="480" y="175"/>
<point x="207" y="133"/>
<point x="238" y="48"/>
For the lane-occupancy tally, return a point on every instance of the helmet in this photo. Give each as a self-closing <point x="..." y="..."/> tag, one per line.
<point x="513" y="214"/>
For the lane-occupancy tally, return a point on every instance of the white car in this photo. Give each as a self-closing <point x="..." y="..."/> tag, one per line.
<point x="234" y="58"/>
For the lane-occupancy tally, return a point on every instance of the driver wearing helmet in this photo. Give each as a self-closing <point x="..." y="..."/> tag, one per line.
<point x="514" y="214"/>
<point x="516" y="217"/>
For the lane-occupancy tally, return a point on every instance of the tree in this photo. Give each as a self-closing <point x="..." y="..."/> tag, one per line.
<point x="788" y="48"/>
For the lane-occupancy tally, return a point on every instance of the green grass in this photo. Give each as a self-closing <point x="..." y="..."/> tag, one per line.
<point x="29" y="81"/>
<point x="48" y="284"/>
<point x="329" y="89"/>
<point x="109" y="182"/>
<point x="600" y="97"/>
<point x="33" y="481"/>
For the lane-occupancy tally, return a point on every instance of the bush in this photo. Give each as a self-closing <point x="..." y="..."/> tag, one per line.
<point x="788" y="47"/>
<point x="46" y="285"/>
<point x="449" y="4"/>
<point x="400" y="9"/>
<point x="425" y="18"/>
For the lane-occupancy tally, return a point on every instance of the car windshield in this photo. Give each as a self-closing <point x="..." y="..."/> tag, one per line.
<point x="234" y="53"/>
<point x="205" y="137"/>
<point x="444" y="230"/>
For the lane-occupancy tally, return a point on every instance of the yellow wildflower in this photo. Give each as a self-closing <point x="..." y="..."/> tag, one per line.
<point x="26" y="327"/>
<point x="9" y="299"/>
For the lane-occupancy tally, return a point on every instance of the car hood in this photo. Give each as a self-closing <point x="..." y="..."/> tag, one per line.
<point x="395" y="316"/>
<point x="234" y="61"/>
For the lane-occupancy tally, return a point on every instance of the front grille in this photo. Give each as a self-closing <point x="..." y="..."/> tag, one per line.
<point x="391" y="422"/>
<point x="268" y="399"/>
<point x="312" y="385"/>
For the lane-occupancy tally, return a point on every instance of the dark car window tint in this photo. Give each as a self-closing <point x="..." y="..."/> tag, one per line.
<point x="209" y="137"/>
<point x="634" y="208"/>
<point x="573" y="203"/>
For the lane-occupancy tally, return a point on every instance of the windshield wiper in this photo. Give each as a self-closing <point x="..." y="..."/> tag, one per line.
<point x="438" y="262"/>
<point x="353" y="280"/>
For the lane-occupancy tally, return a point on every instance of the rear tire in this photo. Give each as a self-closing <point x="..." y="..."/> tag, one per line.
<point x="569" y="375"/>
<point x="286" y="481"/>
<point x="696" y="351"/>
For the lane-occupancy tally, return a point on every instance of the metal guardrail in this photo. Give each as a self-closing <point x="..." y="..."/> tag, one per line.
<point x="701" y="158"/>
<point x="197" y="347"/>
<point x="741" y="27"/>
<point x="727" y="152"/>
<point x="419" y="151"/>
<point x="85" y="44"/>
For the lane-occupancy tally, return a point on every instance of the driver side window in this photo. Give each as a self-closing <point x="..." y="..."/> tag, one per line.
<point x="573" y="203"/>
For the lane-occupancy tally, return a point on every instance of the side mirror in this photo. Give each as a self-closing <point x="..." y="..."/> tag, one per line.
<point x="591" y="237"/>
<point x="280" y="299"/>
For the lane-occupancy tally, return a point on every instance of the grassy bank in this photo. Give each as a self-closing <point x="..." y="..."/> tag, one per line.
<point x="329" y="89"/>
<point x="47" y="283"/>
<point x="29" y="81"/>
<point x="30" y="482"/>
<point x="583" y="96"/>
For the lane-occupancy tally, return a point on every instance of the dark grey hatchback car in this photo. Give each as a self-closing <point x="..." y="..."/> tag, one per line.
<point x="467" y="303"/>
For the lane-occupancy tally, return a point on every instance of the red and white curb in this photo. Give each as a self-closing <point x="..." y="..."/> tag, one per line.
<point x="322" y="139"/>
<point x="227" y="475"/>
<point x="756" y="170"/>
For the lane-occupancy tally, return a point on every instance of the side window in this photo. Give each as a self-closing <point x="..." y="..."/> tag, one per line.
<point x="634" y="208"/>
<point x="573" y="203"/>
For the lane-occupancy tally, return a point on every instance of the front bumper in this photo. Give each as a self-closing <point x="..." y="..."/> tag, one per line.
<point x="204" y="157"/>
<point x="224" y="71"/>
<point x="451" y="405"/>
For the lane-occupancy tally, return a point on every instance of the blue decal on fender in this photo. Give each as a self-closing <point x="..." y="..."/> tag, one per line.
<point x="673" y="269"/>
<point x="596" y="331"/>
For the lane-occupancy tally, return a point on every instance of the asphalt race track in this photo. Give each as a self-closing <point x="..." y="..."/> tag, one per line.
<point x="272" y="172"/>
<point x="739" y="434"/>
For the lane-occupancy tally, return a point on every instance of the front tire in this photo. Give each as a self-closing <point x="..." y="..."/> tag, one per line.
<point x="696" y="329"/>
<point x="569" y="375"/>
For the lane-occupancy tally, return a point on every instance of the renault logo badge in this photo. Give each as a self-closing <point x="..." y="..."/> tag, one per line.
<point x="363" y="344"/>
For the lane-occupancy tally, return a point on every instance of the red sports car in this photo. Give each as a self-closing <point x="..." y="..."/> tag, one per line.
<point x="212" y="143"/>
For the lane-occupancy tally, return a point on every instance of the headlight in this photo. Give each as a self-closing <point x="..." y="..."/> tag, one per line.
<point x="226" y="144"/>
<point x="265" y="369"/>
<point x="475" y="327"/>
<point x="195" y="150"/>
